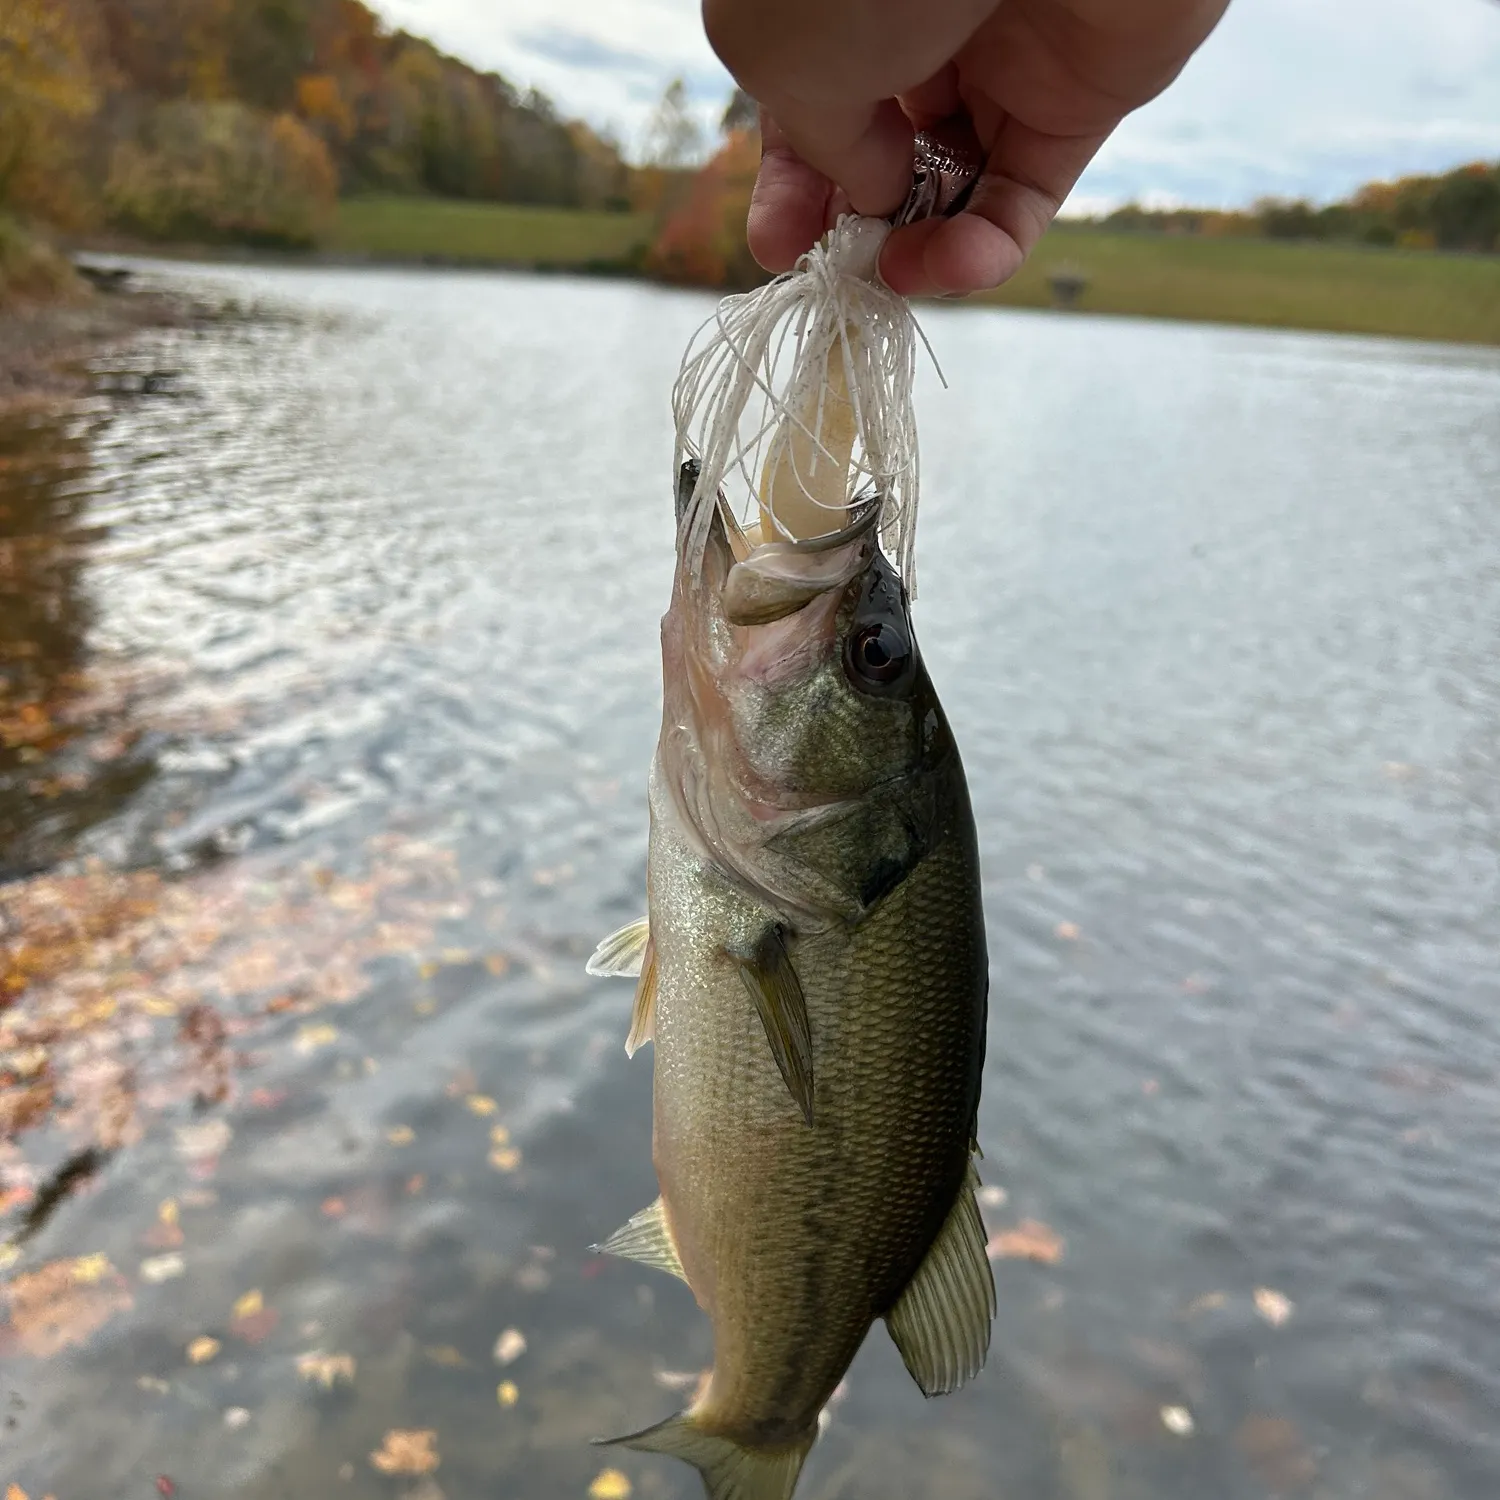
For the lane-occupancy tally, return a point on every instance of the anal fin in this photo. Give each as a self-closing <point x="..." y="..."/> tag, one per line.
<point x="730" y="1471"/>
<point x="645" y="1238"/>
<point x="941" y="1322"/>
<point x="623" y="952"/>
<point x="777" y="993"/>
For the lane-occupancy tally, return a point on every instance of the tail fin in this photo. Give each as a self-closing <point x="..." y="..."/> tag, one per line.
<point x="729" y="1471"/>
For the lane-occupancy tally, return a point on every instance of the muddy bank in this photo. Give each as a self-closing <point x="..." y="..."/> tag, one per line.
<point x="46" y="348"/>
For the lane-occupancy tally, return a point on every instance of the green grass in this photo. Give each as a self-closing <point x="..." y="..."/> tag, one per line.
<point x="484" y="233"/>
<point x="1416" y="294"/>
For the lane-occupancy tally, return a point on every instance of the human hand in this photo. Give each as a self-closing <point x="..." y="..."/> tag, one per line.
<point x="842" y="85"/>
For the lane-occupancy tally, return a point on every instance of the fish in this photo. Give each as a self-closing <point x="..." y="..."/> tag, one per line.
<point x="813" y="975"/>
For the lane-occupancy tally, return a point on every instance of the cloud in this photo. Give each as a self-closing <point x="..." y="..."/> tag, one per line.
<point x="1291" y="97"/>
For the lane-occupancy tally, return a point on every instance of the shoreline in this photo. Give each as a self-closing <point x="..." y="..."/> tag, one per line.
<point x="46" y="346"/>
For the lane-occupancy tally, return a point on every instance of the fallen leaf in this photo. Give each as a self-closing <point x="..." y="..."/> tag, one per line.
<point x="311" y="1038"/>
<point x="1067" y="931"/>
<point x="10" y="1254"/>
<point x="89" y="1270"/>
<point x="15" y="1492"/>
<point x="415" y="1183"/>
<point x="510" y="1346"/>
<point x="499" y="1136"/>
<point x="407" y="1452"/>
<point x="533" y="1278"/>
<point x="1178" y="1420"/>
<point x="165" y="1486"/>
<point x="202" y="1349"/>
<point x="505" y="1159"/>
<point x="63" y="1303"/>
<point x="256" y="1327"/>
<point x="248" y="1305"/>
<point x="506" y="1393"/>
<point x="334" y="1208"/>
<point x="1275" y="1307"/>
<point x="1029" y="1240"/>
<point x="1274" y="1449"/>
<point x="326" y="1370"/>
<point x="609" y="1484"/>
<point x="1208" y="1302"/>
<point x="400" y="1135"/>
<point x="161" y="1268"/>
<point x="481" y="1104"/>
<point x="496" y="963"/>
<point x="236" y="1417"/>
<point x="208" y="1139"/>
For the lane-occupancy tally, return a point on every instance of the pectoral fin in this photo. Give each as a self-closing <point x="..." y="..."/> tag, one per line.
<point x="777" y="993"/>
<point x="622" y="952"/>
<point x="941" y="1322"/>
<point x="645" y="1237"/>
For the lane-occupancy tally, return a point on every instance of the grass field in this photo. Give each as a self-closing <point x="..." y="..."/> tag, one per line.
<point x="1417" y="294"/>
<point x="1414" y="294"/>
<point x="493" y="233"/>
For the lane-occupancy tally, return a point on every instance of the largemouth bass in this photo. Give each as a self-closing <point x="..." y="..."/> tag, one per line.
<point x="812" y="972"/>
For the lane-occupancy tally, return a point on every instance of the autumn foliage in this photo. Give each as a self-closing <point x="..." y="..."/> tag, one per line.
<point x="702" y="240"/>
<point x="244" y="119"/>
<point x="1457" y="210"/>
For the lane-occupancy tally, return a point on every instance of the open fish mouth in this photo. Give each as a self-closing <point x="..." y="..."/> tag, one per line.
<point x="766" y="580"/>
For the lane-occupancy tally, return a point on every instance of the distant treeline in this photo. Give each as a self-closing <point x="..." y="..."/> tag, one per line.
<point x="1459" y="210"/>
<point x="243" y="119"/>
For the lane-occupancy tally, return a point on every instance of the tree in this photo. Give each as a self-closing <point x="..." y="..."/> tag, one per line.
<point x="674" y="137"/>
<point x="45" y="87"/>
<point x="741" y="113"/>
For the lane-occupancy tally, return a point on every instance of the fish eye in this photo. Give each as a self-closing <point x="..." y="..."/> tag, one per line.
<point x="878" y="653"/>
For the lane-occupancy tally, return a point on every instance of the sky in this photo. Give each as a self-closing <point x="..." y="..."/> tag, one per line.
<point x="1298" y="98"/>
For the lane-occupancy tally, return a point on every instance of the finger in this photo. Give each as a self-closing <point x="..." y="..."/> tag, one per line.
<point x="790" y="203"/>
<point x="1024" y="183"/>
<point x="866" y="149"/>
<point x="935" y="99"/>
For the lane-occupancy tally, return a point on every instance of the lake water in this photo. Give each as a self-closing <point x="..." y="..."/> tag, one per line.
<point x="333" y="680"/>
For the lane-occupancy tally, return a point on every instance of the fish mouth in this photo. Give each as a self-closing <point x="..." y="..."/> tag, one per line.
<point x="778" y="578"/>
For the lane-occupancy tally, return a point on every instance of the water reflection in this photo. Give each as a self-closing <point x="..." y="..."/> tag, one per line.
<point x="341" y="664"/>
<point x="65" y="731"/>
